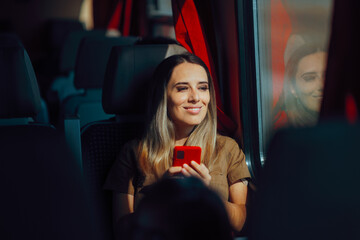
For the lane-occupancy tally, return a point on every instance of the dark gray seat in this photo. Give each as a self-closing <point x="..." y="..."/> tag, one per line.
<point x="42" y="190"/>
<point x="90" y="69"/>
<point x="20" y="100"/>
<point x="309" y="186"/>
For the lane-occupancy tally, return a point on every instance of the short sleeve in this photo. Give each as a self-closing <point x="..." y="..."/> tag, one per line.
<point x="123" y="172"/>
<point x="237" y="169"/>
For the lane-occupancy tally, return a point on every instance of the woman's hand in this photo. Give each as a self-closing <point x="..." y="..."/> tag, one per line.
<point x="173" y="171"/>
<point x="200" y="171"/>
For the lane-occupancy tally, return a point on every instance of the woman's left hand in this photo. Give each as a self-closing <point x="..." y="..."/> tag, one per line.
<point x="197" y="170"/>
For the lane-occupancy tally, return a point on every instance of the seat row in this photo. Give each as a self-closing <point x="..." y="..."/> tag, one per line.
<point x="84" y="153"/>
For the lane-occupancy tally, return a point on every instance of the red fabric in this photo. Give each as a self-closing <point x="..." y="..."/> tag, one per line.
<point x="121" y="19"/>
<point x="116" y="17"/>
<point x="127" y="18"/>
<point x="281" y="120"/>
<point x="351" y="109"/>
<point x="280" y="32"/>
<point x="190" y="34"/>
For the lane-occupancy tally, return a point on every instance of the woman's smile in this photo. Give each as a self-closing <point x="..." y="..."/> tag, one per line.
<point x="193" y="110"/>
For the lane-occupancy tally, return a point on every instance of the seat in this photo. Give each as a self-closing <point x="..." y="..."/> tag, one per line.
<point x="128" y="70"/>
<point x="63" y="85"/>
<point x="42" y="191"/>
<point x="309" y="186"/>
<point x="8" y="43"/>
<point x="57" y="30"/>
<point x="90" y="68"/>
<point x="20" y="100"/>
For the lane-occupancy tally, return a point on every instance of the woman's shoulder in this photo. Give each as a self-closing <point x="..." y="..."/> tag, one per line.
<point x="224" y="139"/>
<point x="129" y="149"/>
<point x="225" y="142"/>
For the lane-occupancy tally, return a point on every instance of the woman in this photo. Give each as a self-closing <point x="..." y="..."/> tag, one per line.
<point x="182" y="112"/>
<point x="300" y="102"/>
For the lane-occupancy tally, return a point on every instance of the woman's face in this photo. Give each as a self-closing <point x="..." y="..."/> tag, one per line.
<point x="188" y="95"/>
<point x="309" y="80"/>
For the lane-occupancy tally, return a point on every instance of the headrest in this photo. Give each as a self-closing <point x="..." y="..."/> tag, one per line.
<point x="92" y="58"/>
<point x="19" y="91"/>
<point x="59" y="28"/>
<point x="129" y="70"/>
<point x="70" y="48"/>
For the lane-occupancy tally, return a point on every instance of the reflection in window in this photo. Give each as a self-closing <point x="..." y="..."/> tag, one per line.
<point x="299" y="103"/>
<point x="292" y="40"/>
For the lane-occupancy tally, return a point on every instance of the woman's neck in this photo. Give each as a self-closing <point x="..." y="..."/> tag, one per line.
<point x="181" y="135"/>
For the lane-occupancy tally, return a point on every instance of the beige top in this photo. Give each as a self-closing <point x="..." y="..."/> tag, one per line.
<point x="226" y="169"/>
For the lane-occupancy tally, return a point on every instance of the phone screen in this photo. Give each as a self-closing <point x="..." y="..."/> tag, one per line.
<point x="186" y="154"/>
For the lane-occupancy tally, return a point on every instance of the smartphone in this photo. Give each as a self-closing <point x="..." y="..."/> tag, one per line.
<point x="186" y="154"/>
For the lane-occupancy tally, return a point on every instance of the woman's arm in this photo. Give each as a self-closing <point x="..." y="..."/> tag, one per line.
<point x="123" y="204"/>
<point x="236" y="207"/>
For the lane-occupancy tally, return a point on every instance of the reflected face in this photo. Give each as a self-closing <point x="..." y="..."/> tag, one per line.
<point x="309" y="80"/>
<point x="188" y="95"/>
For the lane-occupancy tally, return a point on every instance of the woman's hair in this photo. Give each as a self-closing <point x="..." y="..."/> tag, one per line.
<point x="298" y="114"/>
<point x="156" y="147"/>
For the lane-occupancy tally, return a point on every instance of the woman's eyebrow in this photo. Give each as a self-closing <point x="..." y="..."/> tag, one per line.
<point x="204" y="82"/>
<point x="181" y="83"/>
<point x="187" y="83"/>
<point x="308" y="73"/>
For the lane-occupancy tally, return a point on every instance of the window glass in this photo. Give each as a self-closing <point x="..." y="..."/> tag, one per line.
<point x="160" y="18"/>
<point x="291" y="50"/>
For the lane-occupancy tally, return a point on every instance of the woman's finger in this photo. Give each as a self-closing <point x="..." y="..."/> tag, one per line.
<point x="201" y="169"/>
<point x="191" y="171"/>
<point x="203" y="172"/>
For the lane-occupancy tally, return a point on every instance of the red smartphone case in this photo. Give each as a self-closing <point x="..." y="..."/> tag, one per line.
<point x="186" y="154"/>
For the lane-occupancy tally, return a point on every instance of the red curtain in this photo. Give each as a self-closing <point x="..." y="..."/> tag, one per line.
<point x="121" y="18"/>
<point x="190" y="32"/>
<point x="280" y="33"/>
<point x="342" y="86"/>
<point x="103" y="11"/>
<point x="129" y="17"/>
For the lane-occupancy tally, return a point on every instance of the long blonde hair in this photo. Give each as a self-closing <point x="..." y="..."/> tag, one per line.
<point x="156" y="147"/>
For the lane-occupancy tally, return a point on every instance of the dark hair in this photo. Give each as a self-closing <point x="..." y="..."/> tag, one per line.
<point x="181" y="208"/>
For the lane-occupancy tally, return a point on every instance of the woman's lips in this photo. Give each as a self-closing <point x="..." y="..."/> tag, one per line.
<point x="318" y="96"/>
<point x="193" y="110"/>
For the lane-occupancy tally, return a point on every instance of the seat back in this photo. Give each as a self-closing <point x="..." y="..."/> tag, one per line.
<point x="309" y="186"/>
<point x="42" y="192"/>
<point x="90" y="69"/>
<point x="43" y="195"/>
<point x="70" y="48"/>
<point x="19" y="91"/>
<point x="129" y="68"/>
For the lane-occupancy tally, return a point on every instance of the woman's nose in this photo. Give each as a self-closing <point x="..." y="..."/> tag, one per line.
<point x="194" y="96"/>
<point x="321" y="82"/>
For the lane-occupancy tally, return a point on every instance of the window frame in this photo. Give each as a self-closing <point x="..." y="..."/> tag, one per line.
<point x="249" y="85"/>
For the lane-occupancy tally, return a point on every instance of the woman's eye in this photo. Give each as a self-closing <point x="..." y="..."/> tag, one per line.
<point x="309" y="78"/>
<point x="180" y="89"/>
<point x="204" y="88"/>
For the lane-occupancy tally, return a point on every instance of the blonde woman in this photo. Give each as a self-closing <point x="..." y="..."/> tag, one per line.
<point x="182" y="112"/>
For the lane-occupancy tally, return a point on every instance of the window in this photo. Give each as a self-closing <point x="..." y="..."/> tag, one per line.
<point x="288" y="43"/>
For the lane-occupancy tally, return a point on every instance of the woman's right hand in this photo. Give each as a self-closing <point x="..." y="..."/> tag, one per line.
<point x="173" y="171"/>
